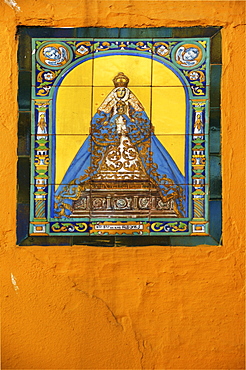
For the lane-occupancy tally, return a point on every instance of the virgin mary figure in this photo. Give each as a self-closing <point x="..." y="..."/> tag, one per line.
<point x="121" y="168"/>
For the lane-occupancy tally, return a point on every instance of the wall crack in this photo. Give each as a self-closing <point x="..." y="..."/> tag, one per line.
<point x="92" y="296"/>
<point x="140" y="345"/>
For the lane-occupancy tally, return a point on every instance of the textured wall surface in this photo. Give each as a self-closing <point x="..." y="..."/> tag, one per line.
<point x="125" y="308"/>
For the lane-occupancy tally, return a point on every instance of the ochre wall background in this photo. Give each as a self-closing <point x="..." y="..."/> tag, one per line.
<point x="125" y="308"/>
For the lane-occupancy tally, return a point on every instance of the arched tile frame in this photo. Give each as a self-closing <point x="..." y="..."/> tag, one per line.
<point x="37" y="87"/>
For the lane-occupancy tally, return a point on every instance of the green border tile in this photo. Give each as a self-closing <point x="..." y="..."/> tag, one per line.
<point x="24" y="51"/>
<point x="216" y="45"/>
<point x="23" y="215"/>
<point x="145" y="32"/>
<point x="46" y="241"/>
<point x="23" y="174"/>
<point x="99" y="32"/>
<point x="215" y="82"/>
<point x="215" y="223"/>
<point x="24" y="133"/>
<point x="183" y="32"/>
<point x="24" y="90"/>
<point x="215" y="180"/>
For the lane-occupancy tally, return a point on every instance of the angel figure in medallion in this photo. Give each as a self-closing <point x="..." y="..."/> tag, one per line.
<point x="121" y="152"/>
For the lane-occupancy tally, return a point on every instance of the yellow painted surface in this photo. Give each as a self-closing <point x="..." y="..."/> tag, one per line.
<point x="73" y="110"/>
<point x="137" y="69"/>
<point x="168" y="110"/>
<point x="163" y="76"/>
<point x="67" y="147"/>
<point x="152" y="307"/>
<point x="77" y="102"/>
<point x="81" y="75"/>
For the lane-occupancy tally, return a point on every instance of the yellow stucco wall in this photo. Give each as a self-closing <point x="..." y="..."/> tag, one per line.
<point x="126" y="308"/>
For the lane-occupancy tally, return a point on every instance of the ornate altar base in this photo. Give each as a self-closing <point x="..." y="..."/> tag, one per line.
<point x="132" y="199"/>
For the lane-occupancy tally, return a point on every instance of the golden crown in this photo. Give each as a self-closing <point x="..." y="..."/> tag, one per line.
<point x="120" y="80"/>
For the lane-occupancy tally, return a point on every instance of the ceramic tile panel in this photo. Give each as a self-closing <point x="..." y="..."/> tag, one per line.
<point x="120" y="144"/>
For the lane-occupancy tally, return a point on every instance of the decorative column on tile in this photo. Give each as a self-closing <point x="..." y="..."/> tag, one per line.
<point x="198" y="168"/>
<point x="41" y="159"/>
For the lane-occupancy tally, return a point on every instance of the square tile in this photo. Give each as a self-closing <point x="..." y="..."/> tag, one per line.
<point x="24" y="90"/>
<point x="72" y="157"/>
<point x="216" y="71"/>
<point x="215" y="181"/>
<point x="163" y="75"/>
<point x="24" y="131"/>
<point x="214" y="141"/>
<point x="121" y="202"/>
<point x="24" y="51"/>
<point x="97" y="32"/>
<point x="169" y="110"/>
<point x="71" y="202"/>
<point x="23" y="215"/>
<point x="169" y="154"/>
<point x="215" y="215"/>
<point x="145" y="32"/>
<point x="216" y="55"/>
<point x="170" y="201"/>
<point x="215" y="131"/>
<point x="23" y="173"/>
<point x="73" y="110"/>
<point x="184" y="32"/>
<point x="215" y="118"/>
<point x="138" y="98"/>
<point x="137" y="69"/>
<point x="81" y="75"/>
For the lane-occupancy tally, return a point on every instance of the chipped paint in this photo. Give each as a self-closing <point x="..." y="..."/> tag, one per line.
<point x="13" y="4"/>
<point x="13" y="280"/>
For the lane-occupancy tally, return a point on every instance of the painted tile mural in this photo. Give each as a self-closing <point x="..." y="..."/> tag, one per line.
<point x="119" y="137"/>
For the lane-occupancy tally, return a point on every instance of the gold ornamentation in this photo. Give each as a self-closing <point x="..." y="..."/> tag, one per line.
<point x="120" y="80"/>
